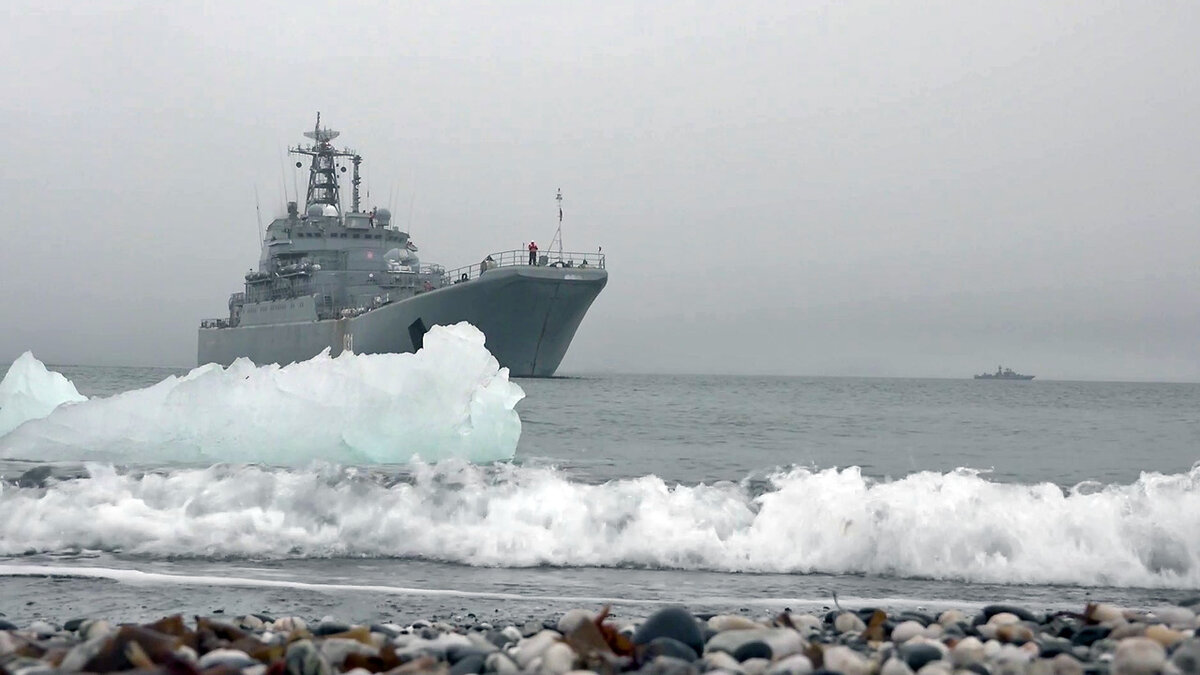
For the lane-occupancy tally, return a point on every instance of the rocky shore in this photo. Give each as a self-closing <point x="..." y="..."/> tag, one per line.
<point x="998" y="640"/>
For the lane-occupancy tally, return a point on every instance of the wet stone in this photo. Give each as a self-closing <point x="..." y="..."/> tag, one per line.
<point x="919" y="617"/>
<point x="1088" y="635"/>
<point x="978" y="669"/>
<point x="330" y="628"/>
<point x="303" y="658"/>
<point x="232" y="658"/>
<point x="673" y="622"/>
<point x="384" y="629"/>
<point x="470" y="664"/>
<point x="755" y="649"/>
<point x="668" y="647"/>
<point x="1020" y="612"/>
<point x="916" y="656"/>
<point x="1186" y="657"/>
<point x="1049" y="647"/>
<point x="668" y="665"/>
<point x="458" y="652"/>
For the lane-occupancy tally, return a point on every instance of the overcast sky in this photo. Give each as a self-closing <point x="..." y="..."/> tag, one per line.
<point x="860" y="188"/>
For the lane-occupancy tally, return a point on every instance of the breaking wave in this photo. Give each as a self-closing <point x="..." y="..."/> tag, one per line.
<point x="955" y="525"/>
<point x="451" y="399"/>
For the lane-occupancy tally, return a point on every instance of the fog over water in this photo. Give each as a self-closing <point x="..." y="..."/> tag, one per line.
<point x="864" y="188"/>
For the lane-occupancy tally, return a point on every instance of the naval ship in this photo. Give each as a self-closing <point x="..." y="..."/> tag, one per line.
<point x="352" y="281"/>
<point x="1003" y="374"/>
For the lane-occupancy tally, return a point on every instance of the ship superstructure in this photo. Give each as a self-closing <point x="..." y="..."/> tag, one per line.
<point x="349" y="279"/>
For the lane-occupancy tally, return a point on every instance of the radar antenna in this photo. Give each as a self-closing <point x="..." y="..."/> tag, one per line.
<point x="323" y="187"/>
<point x="558" y="233"/>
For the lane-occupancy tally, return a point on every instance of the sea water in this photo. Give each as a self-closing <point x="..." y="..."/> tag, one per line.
<point x="724" y="493"/>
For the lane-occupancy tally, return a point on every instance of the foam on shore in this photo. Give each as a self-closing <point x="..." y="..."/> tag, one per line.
<point x="956" y="525"/>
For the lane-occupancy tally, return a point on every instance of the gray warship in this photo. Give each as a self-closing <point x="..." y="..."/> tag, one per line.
<point x="352" y="281"/>
<point x="1003" y="374"/>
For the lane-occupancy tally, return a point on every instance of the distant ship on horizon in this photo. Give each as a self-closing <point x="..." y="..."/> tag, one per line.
<point x="1003" y="374"/>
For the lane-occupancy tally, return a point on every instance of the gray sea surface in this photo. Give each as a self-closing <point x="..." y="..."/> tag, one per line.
<point x="690" y="442"/>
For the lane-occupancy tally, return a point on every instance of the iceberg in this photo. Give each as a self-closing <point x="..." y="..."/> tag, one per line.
<point x="30" y="391"/>
<point x="450" y="399"/>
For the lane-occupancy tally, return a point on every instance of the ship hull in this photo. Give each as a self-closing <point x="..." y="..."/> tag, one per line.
<point x="528" y="315"/>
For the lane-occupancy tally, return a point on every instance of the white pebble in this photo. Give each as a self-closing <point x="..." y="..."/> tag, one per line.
<point x="895" y="666"/>
<point x="532" y="647"/>
<point x="1012" y="654"/>
<point x="573" y="619"/>
<point x="500" y="664"/>
<point x="1066" y="665"/>
<point x="967" y="651"/>
<point x="724" y="622"/>
<point x="287" y="624"/>
<point x="848" y="622"/>
<point x="511" y="633"/>
<point x="1176" y="617"/>
<point x="41" y="628"/>
<point x="755" y="666"/>
<point x="906" y="630"/>
<point x="804" y="621"/>
<point x="1003" y="619"/>
<point x="235" y="658"/>
<point x="558" y="659"/>
<point x="846" y="661"/>
<point x="1110" y="614"/>
<point x="797" y="664"/>
<point x="951" y="616"/>
<point x="1138" y="656"/>
<point x="935" y="668"/>
<point x="722" y="661"/>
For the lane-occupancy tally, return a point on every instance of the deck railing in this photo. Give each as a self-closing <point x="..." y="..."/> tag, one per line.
<point x="519" y="257"/>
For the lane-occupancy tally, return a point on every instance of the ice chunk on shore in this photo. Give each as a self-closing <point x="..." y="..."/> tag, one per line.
<point x="450" y="399"/>
<point x="30" y="391"/>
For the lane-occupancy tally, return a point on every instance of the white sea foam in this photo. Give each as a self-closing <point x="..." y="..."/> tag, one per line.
<point x="956" y="525"/>
<point x="450" y="399"/>
<point x="29" y="391"/>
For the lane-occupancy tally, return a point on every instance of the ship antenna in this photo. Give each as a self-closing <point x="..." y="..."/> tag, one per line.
<point x="412" y="201"/>
<point x="283" y="178"/>
<point x="357" y="159"/>
<point x="258" y="212"/>
<point x="558" y="233"/>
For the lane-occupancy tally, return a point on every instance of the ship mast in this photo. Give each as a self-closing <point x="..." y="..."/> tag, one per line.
<point x="558" y="233"/>
<point x="323" y="185"/>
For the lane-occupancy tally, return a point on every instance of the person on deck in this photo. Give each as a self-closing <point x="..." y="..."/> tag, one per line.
<point x="533" y="253"/>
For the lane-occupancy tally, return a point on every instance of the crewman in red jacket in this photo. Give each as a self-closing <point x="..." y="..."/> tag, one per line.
<point x="532" y="253"/>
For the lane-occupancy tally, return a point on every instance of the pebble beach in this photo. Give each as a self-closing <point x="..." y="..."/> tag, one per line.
<point x="1099" y="639"/>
